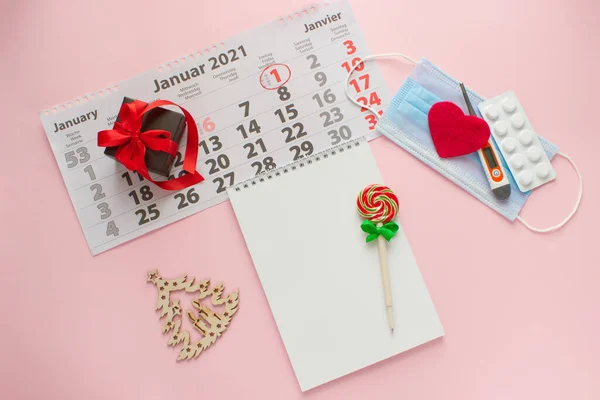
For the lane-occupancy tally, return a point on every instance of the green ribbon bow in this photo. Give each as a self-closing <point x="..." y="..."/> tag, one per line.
<point x="388" y="230"/>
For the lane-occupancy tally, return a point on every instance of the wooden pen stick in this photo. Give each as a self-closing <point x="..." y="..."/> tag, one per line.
<point x="385" y="278"/>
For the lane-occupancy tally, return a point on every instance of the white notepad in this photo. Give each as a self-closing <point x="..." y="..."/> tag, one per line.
<point x="321" y="278"/>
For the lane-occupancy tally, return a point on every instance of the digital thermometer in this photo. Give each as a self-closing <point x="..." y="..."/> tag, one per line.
<point x="490" y="162"/>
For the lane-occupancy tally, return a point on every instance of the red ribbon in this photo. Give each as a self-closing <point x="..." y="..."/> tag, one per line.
<point x="133" y="143"/>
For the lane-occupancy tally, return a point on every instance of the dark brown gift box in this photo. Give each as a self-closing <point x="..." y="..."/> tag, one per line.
<point x="163" y="119"/>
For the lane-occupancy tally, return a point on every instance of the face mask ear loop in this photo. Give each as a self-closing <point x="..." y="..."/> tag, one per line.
<point x="371" y="57"/>
<point x="563" y="222"/>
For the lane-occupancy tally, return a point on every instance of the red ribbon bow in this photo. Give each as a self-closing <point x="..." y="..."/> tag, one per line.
<point x="126" y="134"/>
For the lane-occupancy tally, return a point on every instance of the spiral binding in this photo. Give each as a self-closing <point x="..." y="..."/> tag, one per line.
<point x="305" y="11"/>
<point x="322" y="155"/>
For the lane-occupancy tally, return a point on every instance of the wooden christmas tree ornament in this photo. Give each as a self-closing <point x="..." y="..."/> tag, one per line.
<point x="209" y="323"/>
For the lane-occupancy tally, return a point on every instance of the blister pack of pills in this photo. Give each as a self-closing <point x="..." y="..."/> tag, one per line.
<point x="518" y="142"/>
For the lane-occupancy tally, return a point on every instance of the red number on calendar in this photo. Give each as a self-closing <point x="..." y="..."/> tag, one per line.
<point x="373" y="100"/>
<point x="350" y="47"/>
<point x="372" y="120"/>
<point x="275" y="74"/>
<point x="363" y="100"/>
<point x="365" y="81"/>
<point x="281" y="72"/>
<point x="355" y="60"/>
<point x="208" y="125"/>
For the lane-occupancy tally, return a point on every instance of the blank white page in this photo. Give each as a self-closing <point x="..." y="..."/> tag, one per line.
<point x="321" y="278"/>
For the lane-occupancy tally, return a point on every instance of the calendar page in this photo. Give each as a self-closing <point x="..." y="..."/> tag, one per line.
<point x="261" y="99"/>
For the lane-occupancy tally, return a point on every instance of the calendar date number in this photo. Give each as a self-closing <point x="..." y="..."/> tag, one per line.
<point x="337" y="135"/>
<point x="305" y="149"/>
<point x="332" y="116"/>
<point x="190" y="197"/>
<point x="145" y="193"/>
<point x="150" y="213"/>
<point x="275" y="76"/>
<point x="267" y="164"/>
<point x="111" y="229"/>
<point x="224" y="182"/>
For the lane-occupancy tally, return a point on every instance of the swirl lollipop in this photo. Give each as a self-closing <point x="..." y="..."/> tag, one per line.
<point x="379" y="205"/>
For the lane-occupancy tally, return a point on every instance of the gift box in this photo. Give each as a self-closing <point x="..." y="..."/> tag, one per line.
<point x="160" y="119"/>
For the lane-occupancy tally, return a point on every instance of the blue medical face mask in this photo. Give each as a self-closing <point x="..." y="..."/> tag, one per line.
<point x="405" y="122"/>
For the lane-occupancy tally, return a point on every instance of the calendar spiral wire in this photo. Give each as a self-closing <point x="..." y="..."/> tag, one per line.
<point x="298" y="164"/>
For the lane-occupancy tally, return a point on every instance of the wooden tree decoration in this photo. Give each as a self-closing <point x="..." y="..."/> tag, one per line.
<point x="208" y="322"/>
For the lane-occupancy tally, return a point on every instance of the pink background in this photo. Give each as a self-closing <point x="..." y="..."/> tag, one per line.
<point x="520" y="309"/>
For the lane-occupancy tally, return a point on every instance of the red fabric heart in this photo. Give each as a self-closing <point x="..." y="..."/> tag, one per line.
<point x="454" y="133"/>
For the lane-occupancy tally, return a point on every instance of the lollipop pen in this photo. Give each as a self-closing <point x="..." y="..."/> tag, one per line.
<point x="379" y="205"/>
